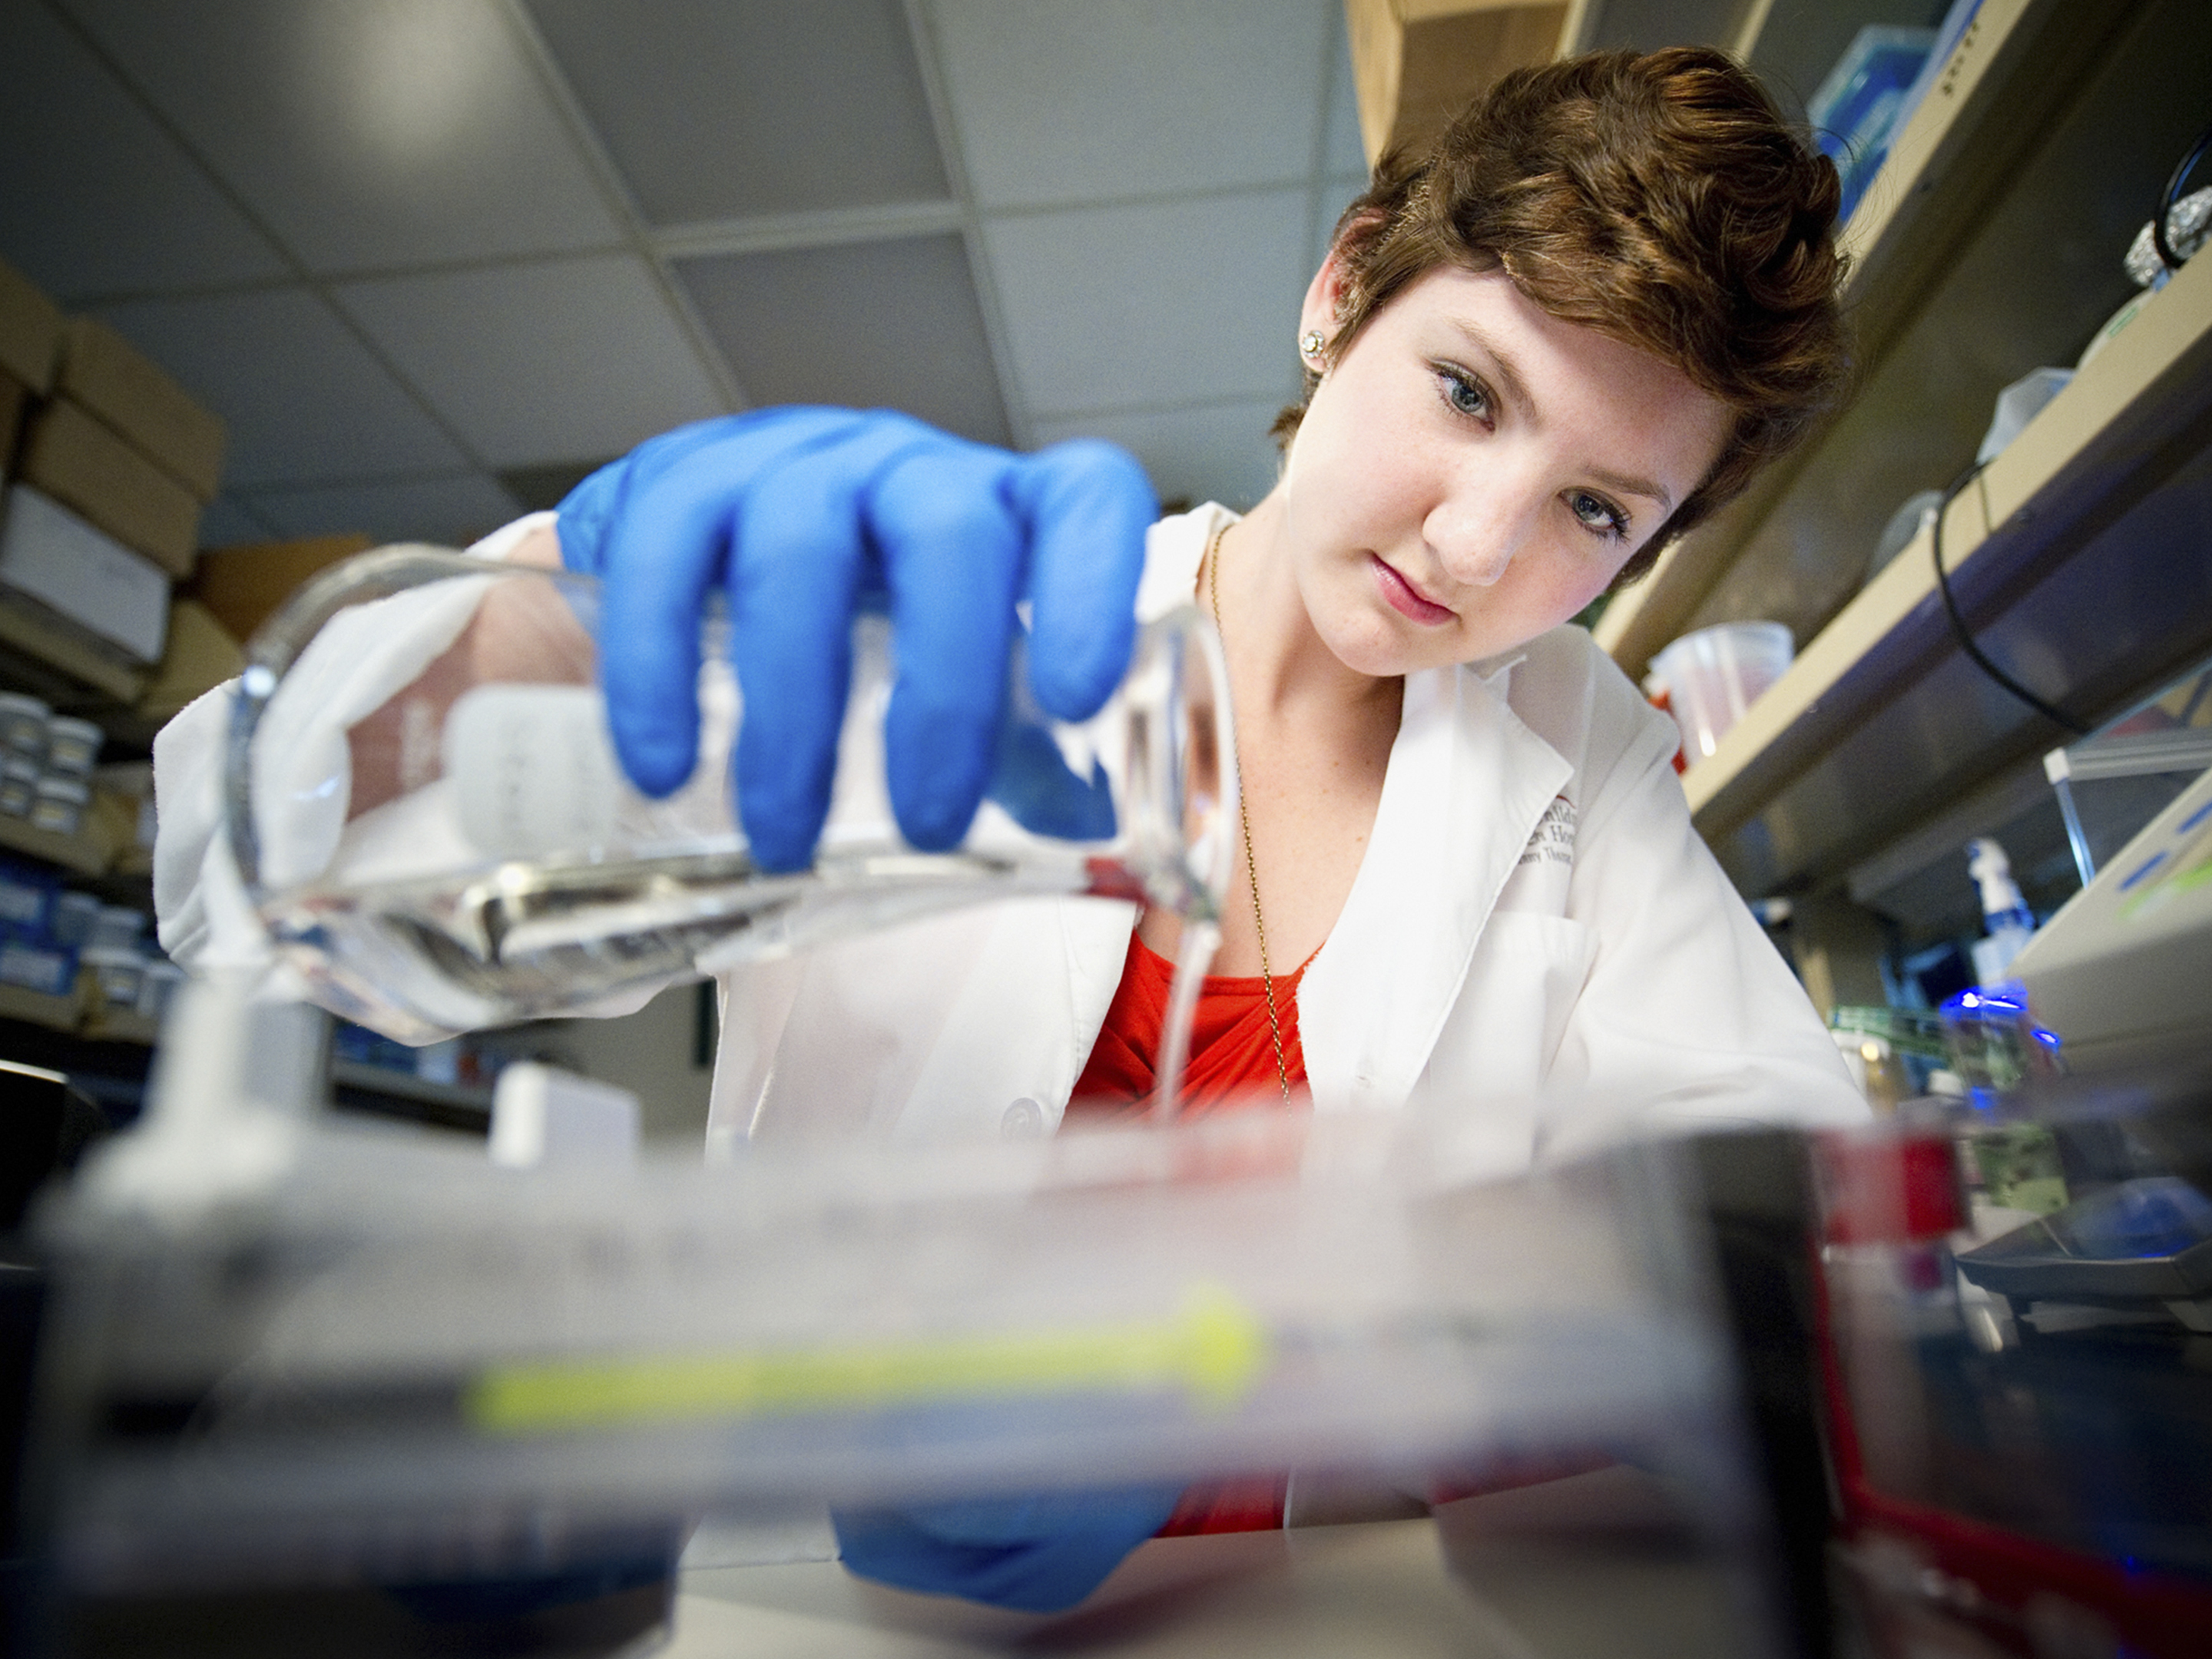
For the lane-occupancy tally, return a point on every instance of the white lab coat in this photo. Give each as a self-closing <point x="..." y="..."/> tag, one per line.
<point x="1536" y="944"/>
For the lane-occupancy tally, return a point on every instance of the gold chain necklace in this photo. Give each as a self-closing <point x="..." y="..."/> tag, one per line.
<point x="1244" y="813"/>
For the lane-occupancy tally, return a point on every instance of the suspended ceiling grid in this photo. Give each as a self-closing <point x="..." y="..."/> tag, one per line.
<point x="432" y="260"/>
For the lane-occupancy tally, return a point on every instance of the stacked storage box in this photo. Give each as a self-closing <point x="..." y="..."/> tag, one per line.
<point x="110" y="468"/>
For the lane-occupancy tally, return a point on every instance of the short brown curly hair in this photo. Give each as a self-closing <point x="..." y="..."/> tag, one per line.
<point x="1659" y="199"/>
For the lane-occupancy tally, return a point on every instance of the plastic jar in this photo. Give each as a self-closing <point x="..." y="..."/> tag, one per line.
<point x="23" y="726"/>
<point x="72" y="746"/>
<point x="1713" y="674"/>
<point x="118" y="928"/>
<point x="59" y="804"/>
<point x="117" y="976"/>
<point x="159" y="984"/>
<point x="19" y="785"/>
<point x="76" y="915"/>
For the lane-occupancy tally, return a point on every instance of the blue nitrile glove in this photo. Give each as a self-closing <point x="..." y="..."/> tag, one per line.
<point x="803" y="514"/>
<point x="1037" y="1554"/>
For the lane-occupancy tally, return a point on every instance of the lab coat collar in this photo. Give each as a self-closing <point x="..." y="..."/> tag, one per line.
<point x="1467" y="785"/>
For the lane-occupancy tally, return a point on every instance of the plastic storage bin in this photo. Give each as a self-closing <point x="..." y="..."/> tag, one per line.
<point x="1715" y="674"/>
<point x="72" y="746"/>
<point x="19" y="785"/>
<point x="23" y="726"/>
<point x="59" y="804"/>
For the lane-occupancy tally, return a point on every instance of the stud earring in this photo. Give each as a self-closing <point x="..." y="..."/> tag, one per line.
<point x="1309" y="345"/>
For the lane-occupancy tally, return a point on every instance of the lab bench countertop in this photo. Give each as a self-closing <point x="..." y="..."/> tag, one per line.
<point x="1408" y="1590"/>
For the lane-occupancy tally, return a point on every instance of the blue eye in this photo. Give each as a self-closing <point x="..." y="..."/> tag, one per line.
<point x="1465" y="394"/>
<point x="1595" y="513"/>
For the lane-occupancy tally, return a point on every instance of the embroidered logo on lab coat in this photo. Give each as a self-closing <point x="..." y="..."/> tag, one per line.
<point x="1539" y="882"/>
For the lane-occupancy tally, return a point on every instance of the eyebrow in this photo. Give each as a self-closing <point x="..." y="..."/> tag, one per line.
<point x="1517" y="392"/>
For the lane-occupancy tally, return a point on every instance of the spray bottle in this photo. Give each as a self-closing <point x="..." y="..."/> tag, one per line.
<point x="2005" y="913"/>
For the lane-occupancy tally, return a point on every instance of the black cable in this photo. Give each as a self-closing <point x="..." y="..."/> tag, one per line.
<point x="2165" y="202"/>
<point x="2055" y="716"/>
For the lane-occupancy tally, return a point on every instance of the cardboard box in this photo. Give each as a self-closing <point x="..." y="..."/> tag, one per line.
<point x="105" y="374"/>
<point x="15" y="402"/>
<point x="82" y="464"/>
<point x="241" y="585"/>
<point x="30" y="330"/>
<point x="50" y="555"/>
<point x="200" y="655"/>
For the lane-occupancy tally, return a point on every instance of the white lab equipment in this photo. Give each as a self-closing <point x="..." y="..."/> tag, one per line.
<point x="542" y="1114"/>
<point x="2123" y="971"/>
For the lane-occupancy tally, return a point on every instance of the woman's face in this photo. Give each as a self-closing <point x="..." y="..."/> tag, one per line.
<point x="1472" y="471"/>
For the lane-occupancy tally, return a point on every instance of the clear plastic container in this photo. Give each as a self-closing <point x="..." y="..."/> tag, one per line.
<point x="23" y="726"/>
<point x="1714" y="675"/>
<point x="118" y="977"/>
<point x="58" y="805"/>
<point x="76" y="916"/>
<point x="158" y="987"/>
<point x="396" y="1355"/>
<point x="117" y="927"/>
<point x="428" y="811"/>
<point x="73" y="745"/>
<point x="19" y="785"/>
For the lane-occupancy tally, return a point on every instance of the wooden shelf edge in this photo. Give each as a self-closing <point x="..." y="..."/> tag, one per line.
<point x="78" y="853"/>
<point x="109" y="1026"/>
<point x="56" y="1013"/>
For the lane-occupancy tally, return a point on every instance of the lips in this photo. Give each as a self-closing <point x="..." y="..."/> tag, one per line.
<point x="1406" y="599"/>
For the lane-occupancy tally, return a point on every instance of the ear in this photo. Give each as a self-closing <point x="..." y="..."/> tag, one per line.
<point x="1324" y="297"/>
<point x="1324" y="302"/>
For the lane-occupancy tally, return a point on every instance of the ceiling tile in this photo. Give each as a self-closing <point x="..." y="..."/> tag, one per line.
<point x="1220" y="453"/>
<point x="453" y="511"/>
<point x="227" y="520"/>
<point x="366" y="134"/>
<point x="541" y="487"/>
<point x="1175" y="302"/>
<point x="892" y="324"/>
<point x="95" y="198"/>
<point x="305" y="398"/>
<point x="714" y="112"/>
<point x="1066" y="101"/>
<point x="546" y="361"/>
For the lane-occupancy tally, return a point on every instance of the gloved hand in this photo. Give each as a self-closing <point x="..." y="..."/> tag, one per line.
<point x="1036" y="1554"/>
<point x="804" y="515"/>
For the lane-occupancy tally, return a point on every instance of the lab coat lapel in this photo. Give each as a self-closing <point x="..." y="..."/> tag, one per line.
<point x="1467" y="784"/>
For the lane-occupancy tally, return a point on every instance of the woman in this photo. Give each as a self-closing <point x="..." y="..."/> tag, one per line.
<point x="1533" y="356"/>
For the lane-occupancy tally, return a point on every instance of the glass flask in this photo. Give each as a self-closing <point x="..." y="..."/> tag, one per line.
<point x="427" y="811"/>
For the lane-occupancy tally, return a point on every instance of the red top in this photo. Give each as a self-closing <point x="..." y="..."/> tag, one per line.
<point x="1231" y="1066"/>
<point x="1233" y="1052"/>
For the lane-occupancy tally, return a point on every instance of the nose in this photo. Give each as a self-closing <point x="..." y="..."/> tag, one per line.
<point x="1483" y="524"/>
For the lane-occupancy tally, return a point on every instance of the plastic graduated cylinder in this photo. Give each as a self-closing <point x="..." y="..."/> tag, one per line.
<point x="427" y="811"/>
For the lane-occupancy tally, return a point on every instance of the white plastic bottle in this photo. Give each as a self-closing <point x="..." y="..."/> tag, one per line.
<point x="2005" y="915"/>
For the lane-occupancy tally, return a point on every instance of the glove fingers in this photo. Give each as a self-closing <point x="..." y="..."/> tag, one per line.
<point x="1087" y="505"/>
<point x="952" y="550"/>
<point x="655" y="529"/>
<point x="793" y="595"/>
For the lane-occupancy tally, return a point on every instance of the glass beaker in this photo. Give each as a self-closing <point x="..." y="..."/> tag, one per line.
<point x="427" y="811"/>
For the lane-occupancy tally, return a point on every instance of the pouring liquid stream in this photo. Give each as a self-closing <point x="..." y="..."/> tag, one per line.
<point x="1194" y="956"/>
